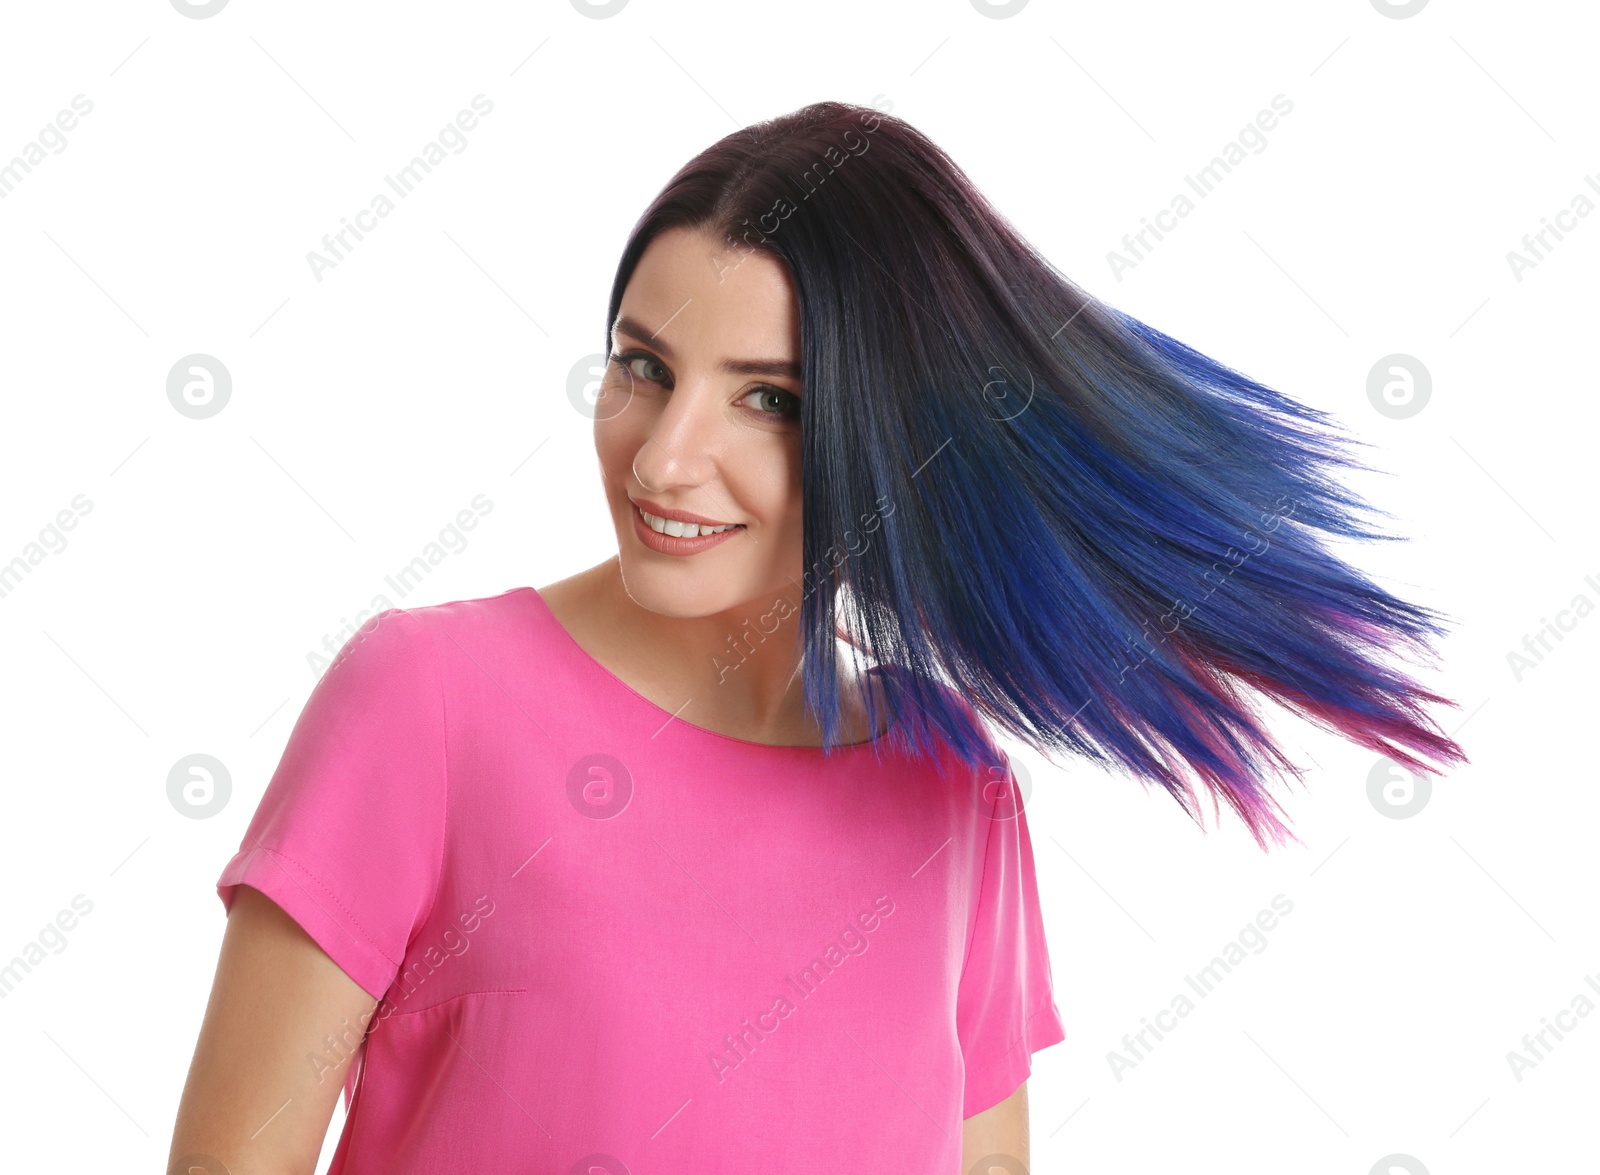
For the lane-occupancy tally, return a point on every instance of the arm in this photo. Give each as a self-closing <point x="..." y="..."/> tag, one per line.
<point x="1002" y="1129"/>
<point x="263" y="1081"/>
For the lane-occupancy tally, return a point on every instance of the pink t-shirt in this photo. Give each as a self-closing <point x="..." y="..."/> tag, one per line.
<point x="606" y="940"/>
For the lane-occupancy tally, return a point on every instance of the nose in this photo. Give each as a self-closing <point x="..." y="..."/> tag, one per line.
<point x="681" y="445"/>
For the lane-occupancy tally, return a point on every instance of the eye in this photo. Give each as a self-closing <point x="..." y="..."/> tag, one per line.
<point x="643" y="365"/>
<point x="775" y="402"/>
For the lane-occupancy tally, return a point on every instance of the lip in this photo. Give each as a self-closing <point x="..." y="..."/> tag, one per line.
<point x="667" y="544"/>
<point x="677" y="515"/>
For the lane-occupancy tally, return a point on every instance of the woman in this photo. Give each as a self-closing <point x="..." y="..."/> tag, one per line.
<point x="650" y="870"/>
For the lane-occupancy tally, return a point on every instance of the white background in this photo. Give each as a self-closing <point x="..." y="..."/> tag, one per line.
<point x="369" y="407"/>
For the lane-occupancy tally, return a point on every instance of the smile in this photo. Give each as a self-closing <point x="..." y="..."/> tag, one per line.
<point x="682" y="530"/>
<point x="673" y="536"/>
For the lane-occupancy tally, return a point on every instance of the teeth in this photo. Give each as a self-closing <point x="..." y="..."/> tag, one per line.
<point x="683" y="530"/>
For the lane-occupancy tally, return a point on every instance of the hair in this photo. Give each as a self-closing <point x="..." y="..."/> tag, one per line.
<point x="1030" y="506"/>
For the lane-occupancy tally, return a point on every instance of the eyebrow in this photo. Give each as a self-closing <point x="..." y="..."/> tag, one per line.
<point x="631" y="326"/>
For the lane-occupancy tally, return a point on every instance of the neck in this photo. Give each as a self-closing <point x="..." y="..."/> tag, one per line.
<point x="737" y="670"/>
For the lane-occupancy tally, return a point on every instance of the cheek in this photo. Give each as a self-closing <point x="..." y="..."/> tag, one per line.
<point x="770" y="485"/>
<point x="619" y="421"/>
<point x="614" y="447"/>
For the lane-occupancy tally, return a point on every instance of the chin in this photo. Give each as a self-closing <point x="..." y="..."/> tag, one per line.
<point x="678" y="597"/>
<point x="670" y="587"/>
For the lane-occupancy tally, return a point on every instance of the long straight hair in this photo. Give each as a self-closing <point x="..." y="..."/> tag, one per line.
<point x="1030" y="506"/>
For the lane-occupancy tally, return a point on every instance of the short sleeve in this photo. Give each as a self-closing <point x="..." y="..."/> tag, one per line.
<point x="1005" y="1003"/>
<point x="348" y="837"/>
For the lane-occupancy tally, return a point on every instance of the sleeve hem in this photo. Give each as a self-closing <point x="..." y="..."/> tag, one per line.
<point x="289" y="885"/>
<point x="992" y="1079"/>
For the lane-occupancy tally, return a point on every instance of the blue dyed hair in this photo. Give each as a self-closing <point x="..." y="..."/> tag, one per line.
<point x="1035" y="510"/>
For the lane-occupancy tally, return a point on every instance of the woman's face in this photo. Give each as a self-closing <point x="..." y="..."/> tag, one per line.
<point x="698" y="415"/>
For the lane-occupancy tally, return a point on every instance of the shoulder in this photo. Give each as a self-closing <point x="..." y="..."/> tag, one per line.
<point x="411" y="645"/>
<point x="946" y="723"/>
<point x="506" y="611"/>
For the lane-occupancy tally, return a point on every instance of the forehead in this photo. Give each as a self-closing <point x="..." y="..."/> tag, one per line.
<point x="706" y="298"/>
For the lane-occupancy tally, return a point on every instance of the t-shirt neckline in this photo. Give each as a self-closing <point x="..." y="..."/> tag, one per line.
<point x="588" y="659"/>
